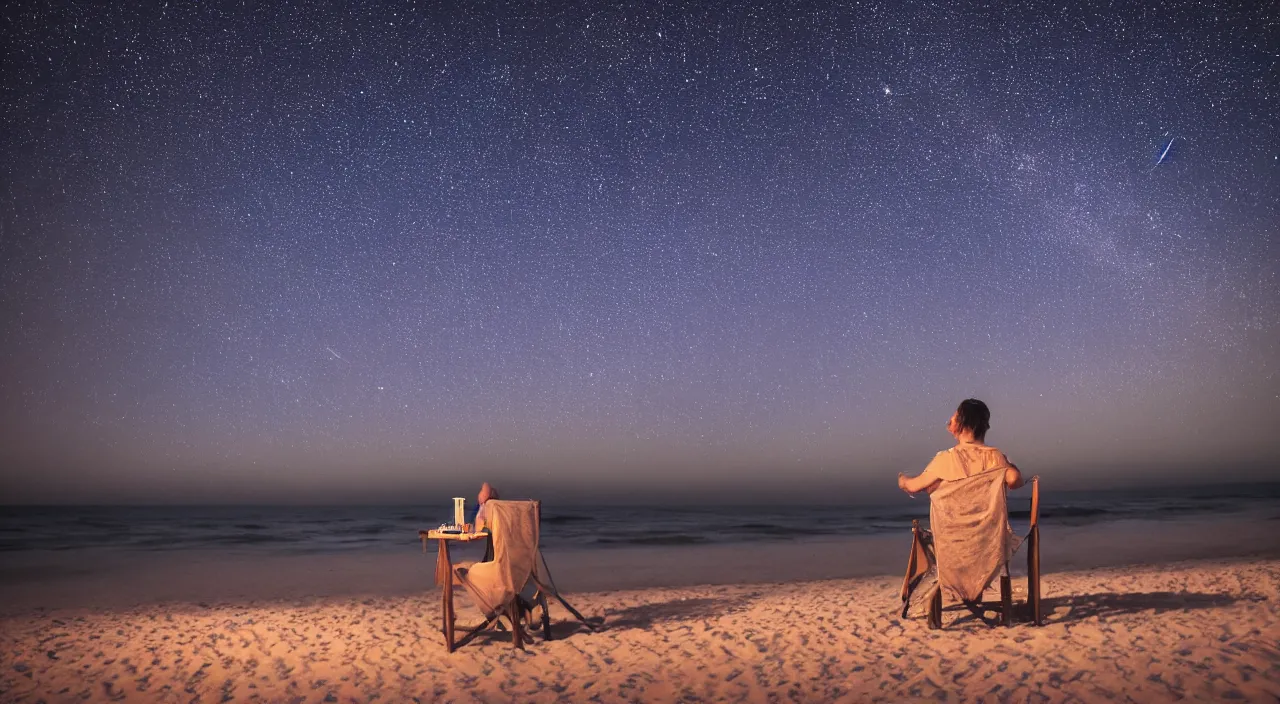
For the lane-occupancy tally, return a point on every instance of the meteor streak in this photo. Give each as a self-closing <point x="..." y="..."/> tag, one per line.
<point x="1163" y="154"/>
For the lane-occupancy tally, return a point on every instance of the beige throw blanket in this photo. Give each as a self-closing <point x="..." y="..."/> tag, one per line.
<point x="514" y="526"/>
<point x="972" y="540"/>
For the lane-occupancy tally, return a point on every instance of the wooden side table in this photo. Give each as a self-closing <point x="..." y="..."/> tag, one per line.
<point x="444" y="573"/>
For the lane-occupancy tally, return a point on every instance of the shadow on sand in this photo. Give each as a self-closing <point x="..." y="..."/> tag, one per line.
<point x="641" y="617"/>
<point x="1109" y="604"/>
<point x="1102" y="605"/>
<point x="646" y="615"/>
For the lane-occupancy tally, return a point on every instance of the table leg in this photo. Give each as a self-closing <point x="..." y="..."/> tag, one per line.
<point x="442" y="564"/>
<point x="444" y="569"/>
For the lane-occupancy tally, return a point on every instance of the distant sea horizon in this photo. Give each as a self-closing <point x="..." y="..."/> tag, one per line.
<point x="293" y="529"/>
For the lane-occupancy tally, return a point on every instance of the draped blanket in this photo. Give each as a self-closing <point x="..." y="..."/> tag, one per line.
<point x="514" y="526"/>
<point x="972" y="540"/>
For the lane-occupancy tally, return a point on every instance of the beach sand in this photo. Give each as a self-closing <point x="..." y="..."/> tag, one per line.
<point x="1198" y="630"/>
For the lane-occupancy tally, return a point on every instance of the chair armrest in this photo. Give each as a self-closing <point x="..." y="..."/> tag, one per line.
<point x="1035" y="500"/>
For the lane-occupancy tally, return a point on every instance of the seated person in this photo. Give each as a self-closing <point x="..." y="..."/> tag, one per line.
<point x="970" y="456"/>
<point x="486" y="492"/>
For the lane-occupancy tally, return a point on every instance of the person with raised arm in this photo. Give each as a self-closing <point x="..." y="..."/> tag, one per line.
<point x="971" y="455"/>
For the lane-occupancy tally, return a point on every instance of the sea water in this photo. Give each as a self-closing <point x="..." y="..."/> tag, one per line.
<point x="313" y="529"/>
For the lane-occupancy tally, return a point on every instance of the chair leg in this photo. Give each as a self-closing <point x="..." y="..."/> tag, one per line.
<point x="568" y="607"/>
<point x="1033" y="575"/>
<point x="546" y="616"/>
<point x="935" y="609"/>
<point x="1006" y="601"/>
<point x="517" y="632"/>
<point x="491" y="620"/>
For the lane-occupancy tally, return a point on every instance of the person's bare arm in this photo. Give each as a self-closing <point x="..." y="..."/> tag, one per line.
<point x="1013" y="477"/>
<point x="915" y="485"/>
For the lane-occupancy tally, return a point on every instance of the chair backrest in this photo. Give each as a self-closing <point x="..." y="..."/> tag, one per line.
<point x="969" y="519"/>
<point x="537" y="509"/>
<point x="976" y="497"/>
<point x="515" y="536"/>
<point x="513" y="526"/>
<point x="1035" y="501"/>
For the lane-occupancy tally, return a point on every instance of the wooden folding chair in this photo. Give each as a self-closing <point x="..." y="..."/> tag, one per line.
<point x="515" y="563"/>
<point x="921" y="562"/>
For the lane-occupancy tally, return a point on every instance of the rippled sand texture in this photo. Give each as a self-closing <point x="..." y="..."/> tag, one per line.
<point x="1201" y="631"/>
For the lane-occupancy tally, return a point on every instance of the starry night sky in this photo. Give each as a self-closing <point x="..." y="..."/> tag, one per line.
<point x="299" y="250"/>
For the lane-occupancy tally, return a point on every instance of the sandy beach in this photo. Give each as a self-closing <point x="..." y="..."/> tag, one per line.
<point x="691" y="317"/>
<point x="1199" y="630"/>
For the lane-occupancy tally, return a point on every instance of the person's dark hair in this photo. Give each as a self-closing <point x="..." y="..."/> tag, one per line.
<point x="974" y="415"/>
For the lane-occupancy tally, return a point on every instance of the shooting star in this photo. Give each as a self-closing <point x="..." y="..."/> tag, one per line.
<point x="1163" y="154"/>
<point x="335" y="354"/>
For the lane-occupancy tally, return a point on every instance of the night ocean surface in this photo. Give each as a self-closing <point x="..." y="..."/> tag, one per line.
<point x="319" y="529"/>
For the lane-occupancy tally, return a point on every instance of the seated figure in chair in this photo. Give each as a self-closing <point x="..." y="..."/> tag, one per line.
<point x="487" y="492"/>
<point x="482" y="524"/>
<point x="970" y="456"/>
<point x="496" y="584"/>
<point x="969" y="541"/>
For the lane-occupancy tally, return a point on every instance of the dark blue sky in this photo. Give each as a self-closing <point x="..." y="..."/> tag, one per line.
<point x="301" y="250"/>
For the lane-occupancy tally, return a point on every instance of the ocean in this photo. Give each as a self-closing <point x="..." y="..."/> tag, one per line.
<point x="330" y="529"/>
